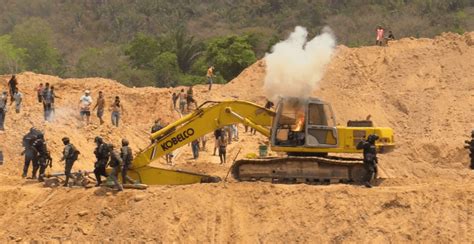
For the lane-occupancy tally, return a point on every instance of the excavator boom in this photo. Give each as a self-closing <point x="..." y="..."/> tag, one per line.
<point x="207" y="118"/>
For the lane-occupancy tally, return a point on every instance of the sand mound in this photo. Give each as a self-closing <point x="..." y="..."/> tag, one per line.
<point x="423" y="88"/>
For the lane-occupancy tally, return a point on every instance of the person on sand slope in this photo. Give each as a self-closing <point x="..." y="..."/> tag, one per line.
<point x="12" y="86"/>
<point x="117" y="110"/>
<point x="47" y="98"/>
<point x="116" y="163"/>
<point x="29" y="152"/>
<point x="102" y="155"/>
<point x="39" y="92"/>
<point x="222" y="142"/>
<point x="3" y="109"/>
<point x="70" y="155"/>
<point x="209" y="75"/>
<point x="379" y="36"/>
<point x="127" y="158"/>
<point x="470" y="145"/>
<point x="44" y="157"/>
<point x="85" y="106"/>
<point x="370" y="157"/>
<point x="100" y="105"/>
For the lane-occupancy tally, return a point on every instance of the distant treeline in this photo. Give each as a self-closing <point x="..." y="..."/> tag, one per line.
<point x="168" y="43"/>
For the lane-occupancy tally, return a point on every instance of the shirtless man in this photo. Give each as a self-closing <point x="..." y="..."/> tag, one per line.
<point x="100" y="105"/>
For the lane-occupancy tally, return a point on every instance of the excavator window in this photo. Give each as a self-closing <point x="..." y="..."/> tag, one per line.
<point x="291" y="124"/>
<point x="320" y="114"/>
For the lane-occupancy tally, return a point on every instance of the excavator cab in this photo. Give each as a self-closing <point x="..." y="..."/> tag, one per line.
<point x="304" y="123"/>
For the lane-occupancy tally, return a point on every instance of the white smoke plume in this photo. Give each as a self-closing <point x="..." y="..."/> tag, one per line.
<point x="295" y="66"/>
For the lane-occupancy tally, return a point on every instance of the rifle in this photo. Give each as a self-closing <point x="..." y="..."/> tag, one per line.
<point x="49" y="161"/>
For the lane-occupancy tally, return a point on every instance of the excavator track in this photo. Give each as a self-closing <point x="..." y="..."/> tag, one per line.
<point x="310" y="170"/>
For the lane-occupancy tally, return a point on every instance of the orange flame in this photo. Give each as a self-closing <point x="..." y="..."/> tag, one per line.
<point x="299" y="123"/>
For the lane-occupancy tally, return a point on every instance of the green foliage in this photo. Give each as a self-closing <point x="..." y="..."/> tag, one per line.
<point x="126" y="40"/>
<point x="230" y="55"/>
<point x="187" y="50"/>
<point x="11" y="57"/>
<point x="36" y="37"/>
<point x="166" y="69"/>
<point x="142" y="50"/>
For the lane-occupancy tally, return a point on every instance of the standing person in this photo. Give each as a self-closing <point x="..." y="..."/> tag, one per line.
<point x="228" y="131"/>
<point x="43" y="156"/>
<point x="155" y="128"/>
<point x="12" y="85"/>
<point x="203" y="142"/>
<point x="3" y="109"/>
<point x="195" y="148"/>
<point x="174" y="99"/>
<point x="169" y="158"/>
<point x="380" y="36"/>
<point x="29" y="152"/>
<point x="235" y="132"/>
<point x="222" y="141"/>
<point x="53" y="108"/>
<point x="269" y="104"/>
<point x="116" y="164"/>
<point x="190" y="99"/>
<point x="116" y="111"/>
<point x="85" y="106"/>
<point x="100" y="105"/>
<point x="470" y="145"/>
<point x="370" y="157"/>
<point x="70" y="155"/>
<point x="182" y="101"/>
<point x="209" y="75"/>
<point x="217" y="134"/>
<point x="39" y="92"/>
<point x="48" y="98"/>
<point x="18" y="97"/>
<point x="102" y="155"/>
<point x="390" y="37"/>
<point x="127" y="158"/>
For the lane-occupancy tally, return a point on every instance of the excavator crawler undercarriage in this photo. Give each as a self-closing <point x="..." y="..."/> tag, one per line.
<point x="310" y="170"/>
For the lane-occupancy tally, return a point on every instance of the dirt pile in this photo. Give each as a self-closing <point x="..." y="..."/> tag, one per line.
<point x="423" y="88"/>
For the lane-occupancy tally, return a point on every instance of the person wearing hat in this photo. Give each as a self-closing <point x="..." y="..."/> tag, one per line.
<point x="85" y="106"/>
<point x="370" y="157"/>
<point x="3" y="109"/>
<point x="70" y="155"/>
<point x="470" y="145"/>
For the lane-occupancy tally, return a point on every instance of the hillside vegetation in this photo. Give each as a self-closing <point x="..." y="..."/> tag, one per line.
<point x="166" y="43"/>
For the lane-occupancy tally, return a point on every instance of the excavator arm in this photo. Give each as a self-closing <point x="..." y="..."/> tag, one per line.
<point x="207" y="118"/>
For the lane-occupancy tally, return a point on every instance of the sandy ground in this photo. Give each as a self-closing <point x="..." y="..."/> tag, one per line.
<point x="423" y="88"/>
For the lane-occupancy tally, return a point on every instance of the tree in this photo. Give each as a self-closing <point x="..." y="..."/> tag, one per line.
<point x="142" y="50"/>
<point x="230" y="55"/>
<point x="187" y="50"/>
<point x="11" y="57"/>
<point x="36" y="37"/>
<point x="166" y="69"/>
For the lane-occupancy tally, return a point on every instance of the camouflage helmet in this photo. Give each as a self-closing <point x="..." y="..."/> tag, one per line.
<point x="124" y="142"/>
<point x="372" y="138"/>
<point x="65" y="140"/>
<point x="98" y="139"/>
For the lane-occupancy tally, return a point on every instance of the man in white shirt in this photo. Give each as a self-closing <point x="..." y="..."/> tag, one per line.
<point x="85" y="106"/>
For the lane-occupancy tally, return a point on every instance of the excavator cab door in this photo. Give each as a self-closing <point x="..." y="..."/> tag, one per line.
<point x="320" y="125"/>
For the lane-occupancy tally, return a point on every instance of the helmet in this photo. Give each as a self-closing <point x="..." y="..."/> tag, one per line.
<point x="372" y="138"/>
<point x="33" y="130"/>
<point x="40" y="136"/>
<point x="124" y="142"/>
<point x="65" y="140"/>
<point x="98" y="139"/>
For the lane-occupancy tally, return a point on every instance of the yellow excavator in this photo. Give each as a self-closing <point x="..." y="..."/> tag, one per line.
<point x="303" y="129"/>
